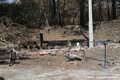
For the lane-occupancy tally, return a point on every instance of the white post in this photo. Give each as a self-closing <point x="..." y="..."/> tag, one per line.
<point x="90" y="24"/>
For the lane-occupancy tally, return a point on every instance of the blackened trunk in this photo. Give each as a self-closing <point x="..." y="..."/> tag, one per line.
<point x="82" y="13"/>
<point x="59" y="13"/>
<point x="63" y="16"/>
<point x="108" y="11"/>
<point x="42" y="9"/>
<point x="100" y="11"/>
<point x="113" y="9"/>
<point x="54" y="13"/>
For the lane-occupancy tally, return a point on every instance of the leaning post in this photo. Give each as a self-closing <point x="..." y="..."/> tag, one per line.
<point x="105" y="68"/>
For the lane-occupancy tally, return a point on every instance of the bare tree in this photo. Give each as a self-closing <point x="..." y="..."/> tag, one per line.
<point x="59" y="15"/>
<point x="100" y="11"/>
<point x="82" y="23"/>
<point x="54" y="12"/>
<point x="108" y="10"/>
<point x="45" y="14"/>
<point x="63" y="16"/>
<point x="42" y="9"/>
<point x="113" y="9"/>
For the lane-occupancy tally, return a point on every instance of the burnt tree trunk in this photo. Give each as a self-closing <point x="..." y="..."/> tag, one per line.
<point x="82" y="23"/>
<point x="44" y="13"/>
<point x="100" y="11"/>
<point x="63" y="16"/>
<point x="108" y="11"/>
<point x="59" y="15"/>
<point x="113" y="9"/>
<point x="54" y="13"/>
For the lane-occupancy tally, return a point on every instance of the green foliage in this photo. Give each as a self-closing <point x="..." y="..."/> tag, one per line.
<point x="29" y="13"/>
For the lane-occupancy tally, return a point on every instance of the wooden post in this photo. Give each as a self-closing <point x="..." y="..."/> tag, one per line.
<point x="38" y="38"/>
<point x="41" y="40"/>
<point x="69" y="44"/>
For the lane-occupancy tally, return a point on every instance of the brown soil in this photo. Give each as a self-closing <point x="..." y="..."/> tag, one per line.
<point x="16" y="34"/>
<point x="57" y="67"/>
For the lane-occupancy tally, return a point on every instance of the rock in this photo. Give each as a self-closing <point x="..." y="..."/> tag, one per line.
<point x="73" y="57"/>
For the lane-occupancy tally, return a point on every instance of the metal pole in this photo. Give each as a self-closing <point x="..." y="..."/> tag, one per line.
<point x="113" y="54"/>
<point x="90" y="24"/>
<point x="105" y="68"/>
<point x="105" y="58"/>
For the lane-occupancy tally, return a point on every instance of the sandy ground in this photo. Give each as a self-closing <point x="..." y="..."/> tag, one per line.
<point x="47" y="67"/>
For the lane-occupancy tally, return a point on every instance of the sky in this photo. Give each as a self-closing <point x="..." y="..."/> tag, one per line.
<point x="10" y="1"/>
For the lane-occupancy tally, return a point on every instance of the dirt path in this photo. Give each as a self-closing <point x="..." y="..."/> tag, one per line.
<point x="39" y="73"/>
